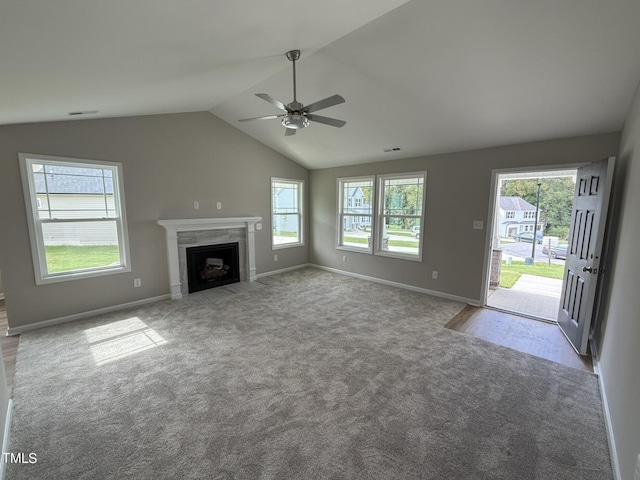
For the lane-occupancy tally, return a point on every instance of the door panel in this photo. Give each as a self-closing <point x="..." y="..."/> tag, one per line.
<point x="582" y="266"/>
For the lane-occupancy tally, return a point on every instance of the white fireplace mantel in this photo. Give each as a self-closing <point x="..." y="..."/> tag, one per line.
<point x="173" y="227"/>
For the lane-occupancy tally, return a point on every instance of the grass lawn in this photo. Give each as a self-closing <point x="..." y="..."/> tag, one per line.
<point x="511" y="273"/>
<point x="392" y="243"/>
<point x="62" y="258"/>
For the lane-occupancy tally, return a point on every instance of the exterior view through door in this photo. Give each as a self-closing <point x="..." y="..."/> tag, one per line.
<point x="547" y="238"/>
<point x="532" y="218"/>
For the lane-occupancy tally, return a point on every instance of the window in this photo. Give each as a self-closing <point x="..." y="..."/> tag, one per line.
<point x="401" y="199"/>
<point x="286" y="212"/>
<point x="77" y="221"/>
<point x="396" y="222"/>
<point x="355" y="206"/>
<point x="510" y="215"/>
<point x="529" y="215"/>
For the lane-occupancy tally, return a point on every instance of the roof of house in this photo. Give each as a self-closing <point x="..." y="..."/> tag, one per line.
<point x="515" y="203"/>
<point x="71" y="180"/>
<point x="352" y="191"/>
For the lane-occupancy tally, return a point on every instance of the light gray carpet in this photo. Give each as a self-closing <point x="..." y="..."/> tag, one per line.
<point x="312" y="376"/>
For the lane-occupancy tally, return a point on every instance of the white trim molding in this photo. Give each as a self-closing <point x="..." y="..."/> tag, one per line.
<point x="284" y="270"/>
<point x="77" y="316"/>
<point x="173" y="227"/>
<point x="405" y="286"/>
<point x="613" y="452"/>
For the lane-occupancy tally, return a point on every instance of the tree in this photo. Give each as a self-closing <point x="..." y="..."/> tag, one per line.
<point x="556" y="200"/>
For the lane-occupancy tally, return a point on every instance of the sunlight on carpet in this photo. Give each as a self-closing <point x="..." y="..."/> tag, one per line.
<point x="118" y="340"/>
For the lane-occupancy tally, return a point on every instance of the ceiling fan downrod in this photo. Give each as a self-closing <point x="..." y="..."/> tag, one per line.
<point x="294" y="55"/>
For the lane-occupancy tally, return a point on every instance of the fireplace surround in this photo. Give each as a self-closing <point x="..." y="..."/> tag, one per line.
<point x="195" y="232"/>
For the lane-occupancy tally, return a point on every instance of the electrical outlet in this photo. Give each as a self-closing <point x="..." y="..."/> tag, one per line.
<point x="434" y="275"/>
<point x="219" y="205"/>
<point x="258" y="226"/>
<point x="344" y="258"/>
<point x="196" y="205"/>
<point x="636" y="472"/>
<point x="275" y="258"/>
<point x="478" y="224"/>
<point x="137" y="282"/>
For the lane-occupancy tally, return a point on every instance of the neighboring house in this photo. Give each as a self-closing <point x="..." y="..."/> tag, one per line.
<point x="356" y="204"/>
<point x="515" y="216"/>
<point x="74" y="193"/>
<point x="285" y="201"/>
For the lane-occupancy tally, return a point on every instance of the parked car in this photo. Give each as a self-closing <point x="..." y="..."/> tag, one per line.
<point x="559" y="251"/>
<point x="415" y="231"/>
<point x="527" y="237"/>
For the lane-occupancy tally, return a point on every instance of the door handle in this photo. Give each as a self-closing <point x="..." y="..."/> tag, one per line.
<point x="587" y="269"/>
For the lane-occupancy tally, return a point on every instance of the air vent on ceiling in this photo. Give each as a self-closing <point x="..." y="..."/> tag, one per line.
<point x="83" y="112"/>
<point x="392" y="149"/>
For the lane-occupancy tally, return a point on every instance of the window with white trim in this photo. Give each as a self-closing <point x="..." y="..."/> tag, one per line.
<point x="286" y="212"/>
<point x="393" y="228"/>
<point x="530" y="215"/>
<point x="76" y="217"/>
<point x="510" y="214"/>
<point x="400" y="208"/>
<point x="355" y="212"/>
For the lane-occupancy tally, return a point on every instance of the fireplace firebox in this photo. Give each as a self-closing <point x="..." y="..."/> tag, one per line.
<point x="210" y="266"/>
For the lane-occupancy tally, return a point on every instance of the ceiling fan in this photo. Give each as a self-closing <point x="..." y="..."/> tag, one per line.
<point x="296" y="115"/>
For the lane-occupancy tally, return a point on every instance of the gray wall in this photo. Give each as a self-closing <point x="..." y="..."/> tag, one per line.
<point x="5" y="395"/>
<point x="458" y="188"/>
<point x="169" y="161"/>
<point x="620" y="331"/>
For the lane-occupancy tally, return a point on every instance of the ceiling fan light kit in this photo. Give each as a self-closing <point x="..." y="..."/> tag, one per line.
<point x="295" y="121"/>
<point x="296" y="115"/>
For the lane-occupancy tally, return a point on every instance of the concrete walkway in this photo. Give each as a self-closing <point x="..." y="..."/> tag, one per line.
<point x="531" y="295"/>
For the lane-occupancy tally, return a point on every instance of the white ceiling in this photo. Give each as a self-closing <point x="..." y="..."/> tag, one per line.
<point x="430" y="76"/>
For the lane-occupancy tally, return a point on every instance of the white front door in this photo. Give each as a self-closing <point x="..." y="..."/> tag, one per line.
<point x="582" y="267"/>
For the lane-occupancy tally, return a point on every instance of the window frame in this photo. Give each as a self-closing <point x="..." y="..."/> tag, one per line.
<point x="300" y="213"/>
<point x="377" y="217"/>
<point x="35" y="223"/>
<point x="341" y="209"/>
<point x="380" y="216"/>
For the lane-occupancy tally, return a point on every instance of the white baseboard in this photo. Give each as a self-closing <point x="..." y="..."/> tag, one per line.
<point x="5" y="436"/>
<point x="78" y="316"/>
<point x="283" y="270"/>
<point x="434" y="293"/>
<point x="615" y="465"/>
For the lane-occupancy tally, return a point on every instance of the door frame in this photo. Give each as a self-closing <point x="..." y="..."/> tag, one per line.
<point x="492" y="213"/>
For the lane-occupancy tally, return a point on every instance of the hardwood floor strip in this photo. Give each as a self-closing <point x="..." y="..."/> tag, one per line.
<point x="541" y="339"/>
<point x="9" y="347"/>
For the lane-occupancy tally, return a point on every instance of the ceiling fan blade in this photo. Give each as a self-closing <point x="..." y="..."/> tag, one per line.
<point x="324" y="103"/>
<point x="267" y="117"/>
<point x="334" y="122"/>
<point x="289" y="131"/>
<point x="273" y="101"/>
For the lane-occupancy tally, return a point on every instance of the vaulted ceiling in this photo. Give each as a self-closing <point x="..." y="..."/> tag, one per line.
<point x="429" y="76"/>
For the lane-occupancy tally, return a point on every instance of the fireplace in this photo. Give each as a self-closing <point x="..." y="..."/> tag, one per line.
<point x="197" y="232"/>
<point x="210" y="266"/>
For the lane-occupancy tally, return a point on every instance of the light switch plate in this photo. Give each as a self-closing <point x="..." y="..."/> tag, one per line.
<point x="478" y="224"/>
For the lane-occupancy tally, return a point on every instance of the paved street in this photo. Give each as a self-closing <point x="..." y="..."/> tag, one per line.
<point x="521" y="250"/>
